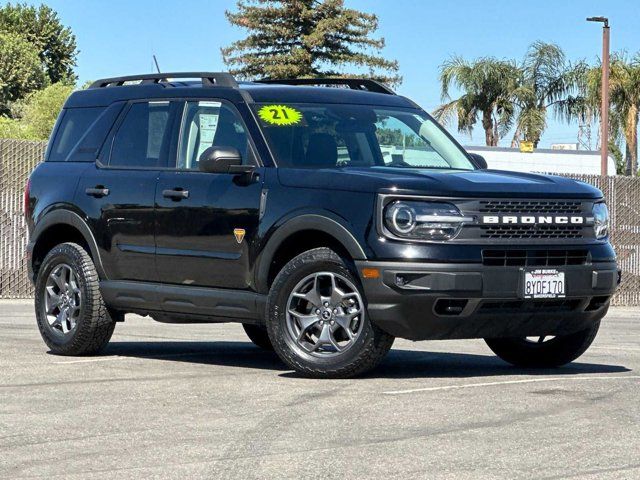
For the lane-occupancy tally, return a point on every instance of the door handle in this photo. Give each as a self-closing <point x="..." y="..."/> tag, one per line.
<point x="99" y="191"/>
<point x="176" y="194"/>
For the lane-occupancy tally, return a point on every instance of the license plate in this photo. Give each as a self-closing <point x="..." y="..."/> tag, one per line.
<point x="544" y="283"/>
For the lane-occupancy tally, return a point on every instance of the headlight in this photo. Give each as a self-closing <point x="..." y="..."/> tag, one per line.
<point x="601" y="220"/>
<point x="417" y="220"/>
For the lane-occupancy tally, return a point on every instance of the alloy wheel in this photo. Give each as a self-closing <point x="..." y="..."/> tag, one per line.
<point x="325" y="314"/>
<point x="63" y="299"/>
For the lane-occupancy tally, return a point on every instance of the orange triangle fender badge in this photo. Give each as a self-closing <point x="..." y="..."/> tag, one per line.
<point x="239" y="234"/>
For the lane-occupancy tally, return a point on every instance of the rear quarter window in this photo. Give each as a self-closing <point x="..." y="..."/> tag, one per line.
<point x="73" y="125"/>
<point x="142" y="139"/>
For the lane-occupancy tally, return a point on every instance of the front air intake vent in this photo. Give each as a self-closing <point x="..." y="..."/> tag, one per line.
<point x="531" y="231"/>
<point x="534" y="258"/>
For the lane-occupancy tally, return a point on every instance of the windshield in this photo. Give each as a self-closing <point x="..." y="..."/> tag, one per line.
<point x="338" y="135"/>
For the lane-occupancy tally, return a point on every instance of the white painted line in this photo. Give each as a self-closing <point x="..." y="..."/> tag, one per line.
<point x="622" y="349"/>
<point x="91" y="360"/>
<point x="509" y="382"/>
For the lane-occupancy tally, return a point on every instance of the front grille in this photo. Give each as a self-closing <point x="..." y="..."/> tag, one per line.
<point x="531" y="206"/>
<point x="520" y="221"/>
<point x="533" y="258"/>
<point x="521" y="306"/>
<point x="531" y="231"/>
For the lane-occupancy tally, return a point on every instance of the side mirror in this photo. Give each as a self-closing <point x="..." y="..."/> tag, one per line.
<point x="479" y="160"/>
<point x="223" y="160"/>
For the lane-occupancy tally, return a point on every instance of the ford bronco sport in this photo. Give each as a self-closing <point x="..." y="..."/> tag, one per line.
<point x="328" y="216"/>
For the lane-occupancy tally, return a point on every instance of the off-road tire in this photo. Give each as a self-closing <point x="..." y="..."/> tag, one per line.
<point x="554" y="353"/>
<point x="370" y="347"/>
<point x="258" y="335"/>
<point x="95" y="325"/>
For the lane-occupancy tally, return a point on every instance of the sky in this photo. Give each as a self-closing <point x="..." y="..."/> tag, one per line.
<point x="119" y="37"/>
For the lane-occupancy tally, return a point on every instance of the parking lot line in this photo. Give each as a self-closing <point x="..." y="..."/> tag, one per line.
<point x="510" y="382"/>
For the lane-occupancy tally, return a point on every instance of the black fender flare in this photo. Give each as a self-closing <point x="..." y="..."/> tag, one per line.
<point x="66" y="217"/>
<point x="298" y="224"/>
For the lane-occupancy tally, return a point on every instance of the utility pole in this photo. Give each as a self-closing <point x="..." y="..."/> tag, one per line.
<point x="604" y="111"/>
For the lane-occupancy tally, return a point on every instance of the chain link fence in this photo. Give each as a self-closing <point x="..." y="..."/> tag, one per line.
<point x="623" y="200"/>
<point x="19" y="157"/>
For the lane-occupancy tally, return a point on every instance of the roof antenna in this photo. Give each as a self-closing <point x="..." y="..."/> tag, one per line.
<point x="155" y="60"/>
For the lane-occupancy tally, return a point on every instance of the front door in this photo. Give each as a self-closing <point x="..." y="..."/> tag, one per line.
<point x="118" y="193"/>
<point x="206" y="222"/>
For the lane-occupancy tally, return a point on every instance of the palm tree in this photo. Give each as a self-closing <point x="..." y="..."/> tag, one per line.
<point x="624" y="97"/>
<point x="546" y="81"/>
<point x="486" y="84"/>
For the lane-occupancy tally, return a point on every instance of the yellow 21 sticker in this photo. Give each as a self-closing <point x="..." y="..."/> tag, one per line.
<point x="279" y="115"/>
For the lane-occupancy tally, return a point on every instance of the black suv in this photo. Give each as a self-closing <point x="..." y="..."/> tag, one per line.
<point x="328" y="216"/>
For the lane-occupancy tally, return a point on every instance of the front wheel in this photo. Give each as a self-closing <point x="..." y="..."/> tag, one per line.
<point x="543" y="351"/>
<point x="317" y="319"/>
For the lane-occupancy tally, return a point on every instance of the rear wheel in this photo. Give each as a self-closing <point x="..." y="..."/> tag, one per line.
<point x="317" y="319"/>
<point x="543" y="351"/>
<point x="72" y="317"/>
<point x="258" y="335"/>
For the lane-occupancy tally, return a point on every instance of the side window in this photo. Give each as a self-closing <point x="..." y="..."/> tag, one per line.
<point x="143" y="138"/>
<point x="87" y="148"/>
<point x="206" y="124"/>
<point x="73" y="125"/>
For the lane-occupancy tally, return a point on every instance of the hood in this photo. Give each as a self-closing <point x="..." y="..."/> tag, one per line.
<point x="456" y="183"/>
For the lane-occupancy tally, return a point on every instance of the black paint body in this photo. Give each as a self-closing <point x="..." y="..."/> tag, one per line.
<point x="179" y="260"/>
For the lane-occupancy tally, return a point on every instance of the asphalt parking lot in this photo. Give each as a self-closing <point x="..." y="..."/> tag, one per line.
<point x="200" y="401"/>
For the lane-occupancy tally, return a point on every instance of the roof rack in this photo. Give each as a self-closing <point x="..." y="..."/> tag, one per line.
<point x="209" y="79"/>
<point x="352" y="83"/>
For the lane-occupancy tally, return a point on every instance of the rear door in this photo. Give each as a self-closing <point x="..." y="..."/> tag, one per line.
<point x="119" y="190"/>
<point x="206" y="222"/>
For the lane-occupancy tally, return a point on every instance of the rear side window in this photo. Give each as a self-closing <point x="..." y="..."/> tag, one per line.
<point x="143" y="138"/>
<point x="73" y="125"/>
<point x="86" y="150"/>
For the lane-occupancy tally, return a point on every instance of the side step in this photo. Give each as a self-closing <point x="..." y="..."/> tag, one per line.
<point x="143" y="297"/>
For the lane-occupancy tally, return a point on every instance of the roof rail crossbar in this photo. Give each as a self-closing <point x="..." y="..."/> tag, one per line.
<point x="209" y="79"/>
<point x="352" y="83"/>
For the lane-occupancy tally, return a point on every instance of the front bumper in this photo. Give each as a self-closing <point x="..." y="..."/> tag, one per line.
<point x="421" y="301"/>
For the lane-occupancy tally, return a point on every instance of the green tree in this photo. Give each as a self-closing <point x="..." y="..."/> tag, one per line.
<point x="12" y="128"/>
<point x="55" y="43"/>
<point x="486" y="85"/>
<point x="37" y="113"/>
<point x="546" y="81"/>
<point x="20" y="70"/>
<point x="616" y="153"/>
<point x="306" y="38"/>
<point x="42" y="108"/>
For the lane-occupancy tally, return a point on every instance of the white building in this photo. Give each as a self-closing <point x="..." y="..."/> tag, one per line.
<point x="543" y="160"/>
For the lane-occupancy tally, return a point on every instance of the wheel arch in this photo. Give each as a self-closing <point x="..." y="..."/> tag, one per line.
<point x="60" y="226"/>
<point x="300" y="234"/>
